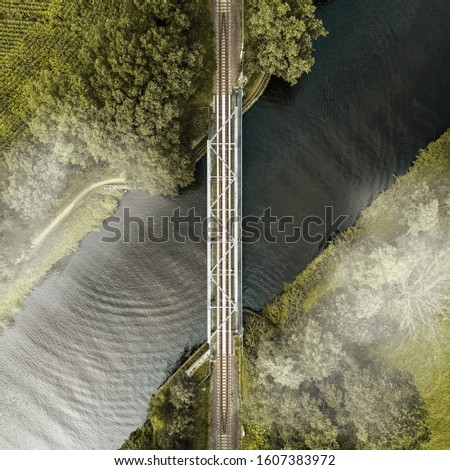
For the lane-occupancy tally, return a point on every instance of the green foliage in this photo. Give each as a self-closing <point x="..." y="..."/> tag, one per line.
<point x="173" y="414"/>
<point x="170" y="420"/>
<point x="116" y="83"/>
<point x="141" y="439"/>
<point x="342" y="415"/>
<point x="92" y="88"/>
<point x="313" y="391"/>
<point x="127" y="101"/>
<point x="280" y="35"/>
<point x="36" y="180"/>
<point x="178" y="414"/>
<point x="342" y="369"/>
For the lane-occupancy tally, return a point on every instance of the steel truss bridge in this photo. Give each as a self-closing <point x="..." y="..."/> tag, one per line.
<point x="224" y="203"/>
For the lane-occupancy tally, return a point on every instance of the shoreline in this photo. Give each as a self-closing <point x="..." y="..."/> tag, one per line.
<point x="35" y="242"/>
<point x="63" y="240"/>
<point x="17" y="291"/>
<point x="299" y="296"/>
<point x="201" y="377"/>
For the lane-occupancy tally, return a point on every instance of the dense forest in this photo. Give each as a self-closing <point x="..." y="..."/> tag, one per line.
<point x="92" y="83"/>
<point x="359" y="357"/>
<point x="106" y="83"/>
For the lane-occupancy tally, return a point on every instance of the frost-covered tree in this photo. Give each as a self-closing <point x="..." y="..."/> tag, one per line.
<point x="422" y="298"/>
<point x="370" y="265"/>
<point x="357" y="404"/>
<point x="421" y="211"/>
<point x="307" y="353"/>
<point x="36" y="179"/>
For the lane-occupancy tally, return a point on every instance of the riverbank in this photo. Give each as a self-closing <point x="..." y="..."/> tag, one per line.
<point x="412" y="213"/>
<point x="23" y="266"/>
<point x="37" y="263"/>
<point x="160" y="417"/>
<point x="80" y="212"/>
<point x="30" y="265"/>
<point x="254" y="90"/>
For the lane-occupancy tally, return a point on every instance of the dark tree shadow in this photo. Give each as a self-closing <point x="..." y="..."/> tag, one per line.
<point x="280" y="92"/>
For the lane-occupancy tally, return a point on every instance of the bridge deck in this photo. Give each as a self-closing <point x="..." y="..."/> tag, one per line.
<point x="224" y="253"/>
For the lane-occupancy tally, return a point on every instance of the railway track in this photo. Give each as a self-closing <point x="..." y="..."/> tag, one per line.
<point x="224" y="414"/>
<point x="224" y="340"/>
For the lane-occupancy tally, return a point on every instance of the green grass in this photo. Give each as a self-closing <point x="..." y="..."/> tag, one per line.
<point x="429" y="362"/>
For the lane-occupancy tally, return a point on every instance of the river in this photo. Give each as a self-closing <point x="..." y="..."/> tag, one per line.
<point x="99" y="334"/>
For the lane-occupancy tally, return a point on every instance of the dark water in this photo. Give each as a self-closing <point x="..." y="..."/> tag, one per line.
<point x="97" y="337"/>
<point x="378" y="92"/>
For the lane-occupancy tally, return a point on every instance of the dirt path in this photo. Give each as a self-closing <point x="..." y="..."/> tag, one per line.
<point x="66" y="211"/>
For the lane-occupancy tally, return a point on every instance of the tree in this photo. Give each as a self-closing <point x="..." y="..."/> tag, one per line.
<point x="177" y="411"/>
<point x="36" y="179"/>
<point x="422" y="298"/>
<point x="371" y="265"/>
<point x="280" y="37"/>
<point x="320" y="352"/>
<point x="380" y="409"/>
<point x="126" y="94"/>
<point x="420" y="211"/>
<point x="357" y="404"/>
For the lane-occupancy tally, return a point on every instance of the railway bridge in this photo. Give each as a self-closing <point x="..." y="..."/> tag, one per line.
<point x="224" y="194"/>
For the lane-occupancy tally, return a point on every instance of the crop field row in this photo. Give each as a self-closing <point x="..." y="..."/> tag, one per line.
<point x="24" y="53"/>
<point x="24" y="6"/>
<point x="43" y="44"/>
<point x="16" y="19"/>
